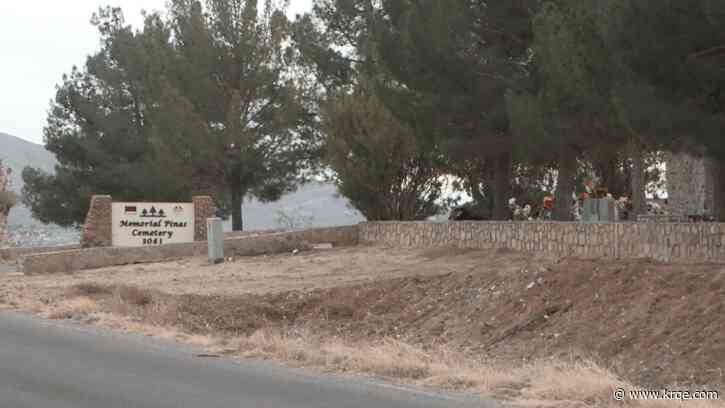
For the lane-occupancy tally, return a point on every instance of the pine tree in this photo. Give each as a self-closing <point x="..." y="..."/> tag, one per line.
<point x="379" y="163"/>
<point x="258" y="129"/>
<point x="203" y="101"/>
<point x="98" y="129"/>
<point x="464" y="57"/>
<point x="674" y="53"/>
<point x="569" y="109"/>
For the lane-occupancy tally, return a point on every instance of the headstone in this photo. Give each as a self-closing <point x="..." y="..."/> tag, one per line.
<point x="590" y="212"/>
<point x="215" y="240"/>
<point x="606" y="210"/>
<point x="598" y="210"/>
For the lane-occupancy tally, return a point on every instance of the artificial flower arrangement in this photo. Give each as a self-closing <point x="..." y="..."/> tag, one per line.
<point x="518" y="212"/>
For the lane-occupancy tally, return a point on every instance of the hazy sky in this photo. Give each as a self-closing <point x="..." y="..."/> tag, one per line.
<point x="42" y="39"/>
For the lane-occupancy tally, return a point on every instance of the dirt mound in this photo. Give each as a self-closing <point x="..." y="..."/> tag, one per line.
<point x="654" y="324"/>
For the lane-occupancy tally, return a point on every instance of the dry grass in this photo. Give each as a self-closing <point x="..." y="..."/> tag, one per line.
<point x="87" y="289"/>
<point x="126" y="308"/>
<point x="133" y="295"/>
<point x="74" y="308"/>
<point x="587" y="384"/>
<point x="554" y="384"/>
<point x="582" y="381"/>
<point x="541" y="384"/>
<point x="387" y="358"/>
<point x="560" y="384"/>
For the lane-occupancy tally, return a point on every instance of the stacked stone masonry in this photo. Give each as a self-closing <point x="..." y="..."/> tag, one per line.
<point x="204" y="208"/>
<point x="97" y="228"/>
<point x="100" y="257"/>
<point x="666" y="242"/>
<point x="4" y="186"/>
<point x="691" y="184"/>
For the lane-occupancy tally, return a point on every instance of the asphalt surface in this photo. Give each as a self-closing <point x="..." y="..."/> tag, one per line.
<point x="47" y="364"/>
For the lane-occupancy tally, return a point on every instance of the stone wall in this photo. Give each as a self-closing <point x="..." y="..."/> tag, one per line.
<point x="12" y="254"/>
<point x="100" y="257"/>
<point x="667" y="242"/>
<point x="690" y="184"/>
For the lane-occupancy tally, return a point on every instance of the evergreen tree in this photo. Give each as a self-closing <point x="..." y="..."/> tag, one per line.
<point x="382" y="162"/>
<point x="569" y="108"/>
<point x="97" y="129"/>
<point x="674" y="54"/>
<point x="380" y="165"/>
<point x="257" y="120"/>
<point x="464" y="57"/>
<point x="201" y="102"/>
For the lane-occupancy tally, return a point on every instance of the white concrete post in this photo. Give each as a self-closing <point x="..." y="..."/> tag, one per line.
<point x="215" y="240"/>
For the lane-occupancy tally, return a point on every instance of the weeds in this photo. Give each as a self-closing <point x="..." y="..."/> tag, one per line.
<point x="550" y="383"/>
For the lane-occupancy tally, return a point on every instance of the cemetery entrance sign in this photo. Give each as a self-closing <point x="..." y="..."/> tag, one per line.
<point x="151" y="224"/>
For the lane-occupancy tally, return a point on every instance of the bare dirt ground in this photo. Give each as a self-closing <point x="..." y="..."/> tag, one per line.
<point x="272" y="274"/>
<point x="533" y="331"/>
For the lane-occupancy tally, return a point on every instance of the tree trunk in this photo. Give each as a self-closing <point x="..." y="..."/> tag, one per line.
<point x="237" y="201"/>
<point x="502" y="187"/>
<point x="475" y="185"/>
<point x="609" y="178"/>
<point x="565" y="184"/>
<point x="639" y="200"/>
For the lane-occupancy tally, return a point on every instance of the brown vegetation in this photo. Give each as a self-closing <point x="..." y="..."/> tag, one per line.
<point x="498" y="323"/>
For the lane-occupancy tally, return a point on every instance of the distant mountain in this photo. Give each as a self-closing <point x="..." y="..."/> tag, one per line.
<point x="17" y="153"/>
<point x="312" y="205"/>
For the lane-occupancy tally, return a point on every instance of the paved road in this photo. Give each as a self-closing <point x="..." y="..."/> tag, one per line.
<point x="59" y="365"/>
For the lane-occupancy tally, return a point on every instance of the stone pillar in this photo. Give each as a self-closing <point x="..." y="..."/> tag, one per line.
<point x="97" y="229"/>
<point x="711" y="175"/>
<point x="4" y="186"/>
<point x="690" y="184"/>
<point x="3" y="228"/>
<point x="204" y="208"/>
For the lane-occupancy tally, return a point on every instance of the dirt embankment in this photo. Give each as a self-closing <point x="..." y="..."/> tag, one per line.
<point x="653" y="324"/>
<point x="649" y="324"/>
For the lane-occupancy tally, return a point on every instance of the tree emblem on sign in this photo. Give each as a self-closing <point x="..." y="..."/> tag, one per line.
<point x="153" y="213"/>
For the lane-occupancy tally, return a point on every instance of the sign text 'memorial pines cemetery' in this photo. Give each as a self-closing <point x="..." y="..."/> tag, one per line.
<point x="148" y="224"/>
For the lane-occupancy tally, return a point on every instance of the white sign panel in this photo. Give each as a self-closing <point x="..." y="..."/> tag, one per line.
<point x="150" y="224"/>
